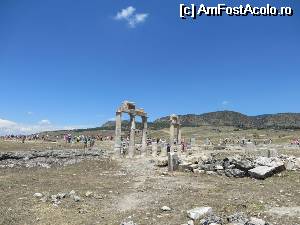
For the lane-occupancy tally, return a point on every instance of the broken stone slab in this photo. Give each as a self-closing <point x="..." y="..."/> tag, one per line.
<point x="237" y="218"/>
<point x="271" y="162"/>
<point x="194" y="166"/>
<point x="199" y="212"/>
<point x="192" y="159"/>
<point x="292" y="163"/>
<point x="162" y="162"/>
<point x="38" y="195"/>
<point x="88" y="194"/>
<point x="173" y="161"/>
<point x="185" y="167"/>
<point x="199" y="171"/>
<point x="235" y="224"/>
<point x="256" y="221"/>
<point x="219" y="167"/>
<point x="244" y="164"/>
<point x="262" y="172"/>
<point x="285" y="211"/>
<point x="76" y="198"/>
<point x="128" y="223"/>
<point x="211" y="220"/>
<point x="165" y="208"/>
<point x="207" y="167"/>
<point x="235" y="173"/>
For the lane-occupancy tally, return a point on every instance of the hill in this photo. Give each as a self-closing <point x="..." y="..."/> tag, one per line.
<point x="231" y="118"/>
<point x="217" y="119"/>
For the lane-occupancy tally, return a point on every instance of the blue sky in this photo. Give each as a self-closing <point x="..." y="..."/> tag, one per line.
<point x="70" y="63"/>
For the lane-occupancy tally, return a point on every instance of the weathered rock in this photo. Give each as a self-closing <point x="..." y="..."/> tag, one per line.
<point x="297" y="164"/>
<point x="128" y="223"/>
<point x="162" y="162"/>
<point x="207" y="167"/>
<point x="199" y="171"/>
<point x="270" y="162"/>
<point x="44" y="199"/>
<point x="190" y="222"/>
<point x="47" y="158"/>
<point x="204" y="158"/>
<point x="235" y="173"/>
<point x="292" y="163"/>
<point x="262" y="172"/>
<point x="173" y="161"/>
<point x="61" y="195"/>
<point x="38" y="195"/>
<point x="76" y="198"/>
<point x="72" y="193"/>
<point x="244" y="164"/>
<point x="256" y="221"/>
<point x="192" y="159"/>
<point x="237" y="218"/>
<point x="184" y="167"/>
<point x="165" y="208"/>
<point x="88" y="194"/>
<point x="211" y="219"/>
<point x="219" y="167"/>
<point x="199" y="212"/>
<point x="272" y="153"/>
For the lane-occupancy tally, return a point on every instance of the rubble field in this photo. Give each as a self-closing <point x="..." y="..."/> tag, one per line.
<point x="137" y="191"/>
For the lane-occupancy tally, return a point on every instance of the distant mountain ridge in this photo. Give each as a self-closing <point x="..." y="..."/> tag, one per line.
<point x="236" y="119"/>
<point x="225" y="118"/>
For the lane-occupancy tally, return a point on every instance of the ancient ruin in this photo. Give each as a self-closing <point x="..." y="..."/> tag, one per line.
<point x="175" y="138"/>
<point x="132" y="111"/>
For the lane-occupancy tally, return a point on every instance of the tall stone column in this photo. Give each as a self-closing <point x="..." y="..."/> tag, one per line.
<point x="144" y="137"/>
<point x="131" y="149"/>
<point x="172" y="128"/>
<point x="118" y="142"/>
<point x="179" y="134"/>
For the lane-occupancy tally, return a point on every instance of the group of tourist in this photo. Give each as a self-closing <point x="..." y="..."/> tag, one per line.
<point x="295" y="142"/>
<point x="33" y="137"/>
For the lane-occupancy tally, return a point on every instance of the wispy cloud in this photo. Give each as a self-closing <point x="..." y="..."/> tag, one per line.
<point x="11" y="127"/>
<point x="44" y="122"/>
<point x="225" y="103"/>
<point x="131" y="17"/>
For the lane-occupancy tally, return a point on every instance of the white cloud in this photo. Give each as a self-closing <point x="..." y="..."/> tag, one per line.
<point x="11" y="127"/>
<point x="29" y="113"/>
<point x="131" y="17"/>
<point x="44" y="122"/>
<point x="125" y="13"/>
<point x="6" y="123"/>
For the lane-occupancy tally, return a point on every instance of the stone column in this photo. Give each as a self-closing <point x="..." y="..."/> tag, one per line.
<point x="154" y="148"/>
<point x="179" y="134"/>
<point x="118" y="142"/>
<point x="163" y="150"/>
<point x="172" y="129"/>
<point x="173" y="161"/>
<point x="131" y="149"/>
<point x="144" y="137"/>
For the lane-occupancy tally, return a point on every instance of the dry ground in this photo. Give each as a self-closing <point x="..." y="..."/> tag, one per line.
<point x="136" y="190"/>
